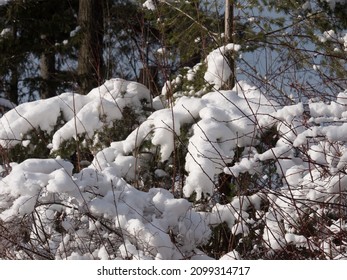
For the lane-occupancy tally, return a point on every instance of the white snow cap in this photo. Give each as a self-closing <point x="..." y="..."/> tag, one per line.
<point x="149" y="4"/>
<point x="218" y="67"/>
<point x="81" y="113"/>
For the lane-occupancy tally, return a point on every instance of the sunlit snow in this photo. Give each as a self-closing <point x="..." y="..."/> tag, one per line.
<point x="102" y="201"/>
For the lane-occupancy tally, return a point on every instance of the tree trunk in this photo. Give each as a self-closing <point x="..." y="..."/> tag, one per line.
<point x="12" y="94"/>
<point x="47" y="69"/>
<point x="229" y="38"/>
<point x="90" y="62"/>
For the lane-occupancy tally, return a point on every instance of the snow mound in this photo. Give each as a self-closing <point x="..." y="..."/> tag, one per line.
<point x="79" y="113"/>
<point x="148" y="220"/>
<point x="221" y="121"/>
<point x="294" y="162"/>
<point x="218" y="66"/>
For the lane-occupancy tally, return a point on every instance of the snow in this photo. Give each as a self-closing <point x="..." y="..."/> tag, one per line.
<point x="74" y="32"/>
<point x="331" y="36"/>
<point x="218" y="68"/>
<point x="61" y="182"/>
<point x="149" y="4"/>
<point x="233" y="255"/>
<point x="140" y="214"/>
<point x="222" y="132"/>
<point x="25" y="183"/>
<point x="80" y="114"/>
<point x="5" y="31"/>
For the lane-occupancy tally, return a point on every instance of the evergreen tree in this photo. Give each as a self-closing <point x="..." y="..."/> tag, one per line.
<point x="49" y="47"/>
<point x="11" y="56"/>
<point x="38" y="30"/>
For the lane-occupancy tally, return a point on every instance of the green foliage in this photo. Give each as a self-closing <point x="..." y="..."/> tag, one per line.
<point x="187" y="29"/>
<point x="33" y="145"/>
<point x="118" y="130"/>
<point x="220" y="242"/>
<point x="55" y="24"/>
<point x="190" y="82"/>
<point x="35" y="27"/>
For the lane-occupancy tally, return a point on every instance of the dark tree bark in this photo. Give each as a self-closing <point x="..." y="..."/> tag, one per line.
<point x="47" y="69"/>
<point x="90" y="62"/>
<point x="229" y="38"/>
<point x="12" y="93"/>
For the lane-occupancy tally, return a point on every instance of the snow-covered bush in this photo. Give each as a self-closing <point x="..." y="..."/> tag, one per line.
<point x="71" y="122"/>
<point x="224" y="174"/>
